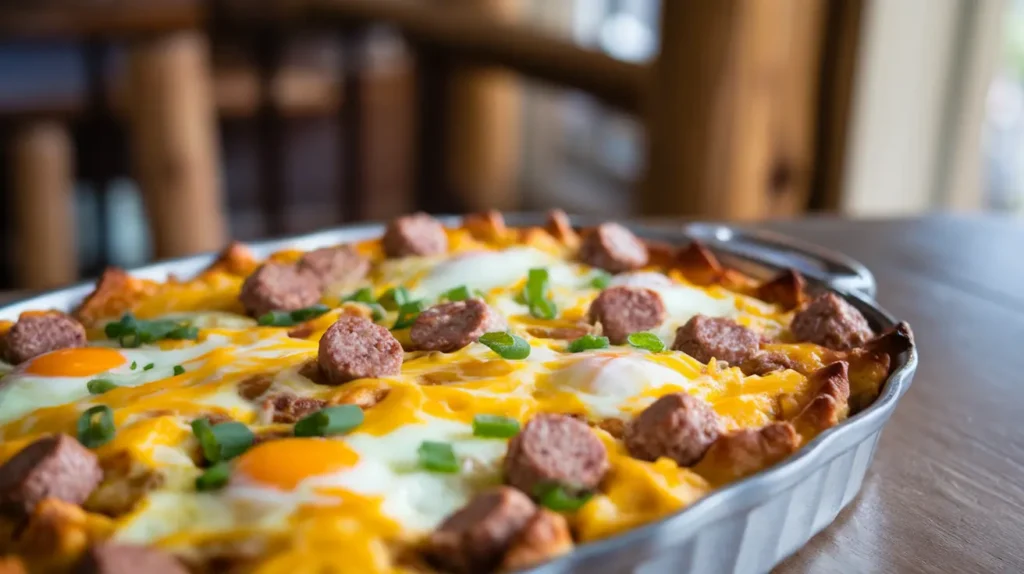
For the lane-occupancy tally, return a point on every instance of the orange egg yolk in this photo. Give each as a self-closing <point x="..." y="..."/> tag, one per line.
<point x="80" y="362"/>
<point x="285" y="463"/>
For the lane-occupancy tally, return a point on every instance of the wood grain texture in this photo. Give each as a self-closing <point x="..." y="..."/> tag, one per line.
<point x="944" y="493"/>
<point x="731" y="108"/>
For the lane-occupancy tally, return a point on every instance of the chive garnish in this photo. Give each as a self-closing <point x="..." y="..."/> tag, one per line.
<point x="99" y="386"/>
<point x="600" y="280"/>
<point x="364" y="295"/>
<point x="407" y="314"/>
<point x="292" y="318"/>
<point x="437" y="457"/>
<point x="214" y="478"/>
<point x="96" y="426"/>
<point x="646" y="341"/>
<point x="394" y="298"/>
<point x="330" y="421"/>
<point x="179" y="370"/>
<point x="460" y="293"/>
<point x="506" y="345"/>
<point x="131" y="332"/>
<point x="587" y="343"/>
<point x="149" y="366"/>
<point x="535" y="294"/>
<point x="494" y="426"/>
<point x="556" y="498"/>
<point x="223" y="441"/>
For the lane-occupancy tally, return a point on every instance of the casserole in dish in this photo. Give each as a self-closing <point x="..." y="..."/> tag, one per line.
<point x="469" y="399"/>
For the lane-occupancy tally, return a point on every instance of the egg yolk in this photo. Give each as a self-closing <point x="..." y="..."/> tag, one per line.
<point x="79" y="362"/>
<point x="287" y="462"/>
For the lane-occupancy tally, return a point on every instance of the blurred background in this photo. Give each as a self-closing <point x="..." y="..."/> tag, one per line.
<point x="141" y="129"/>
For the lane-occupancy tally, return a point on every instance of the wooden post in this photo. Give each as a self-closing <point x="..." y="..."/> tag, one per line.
<point x="174" y="143"/>
<point x="42" y="180"/>
<point x="485" y="117"/>
<point x="732" y="103"/>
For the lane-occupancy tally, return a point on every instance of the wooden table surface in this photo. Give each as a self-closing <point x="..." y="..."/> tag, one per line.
<point x="946" y="490"/>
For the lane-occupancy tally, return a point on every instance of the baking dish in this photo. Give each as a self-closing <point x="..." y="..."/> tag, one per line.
<point x="748" y="526"/>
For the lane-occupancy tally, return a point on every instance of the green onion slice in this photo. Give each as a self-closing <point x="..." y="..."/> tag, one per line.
<point x="587" y="343"/>
<point x="600" y="280"/>
<point x="394" y="298"/>
<point x="556" y="498"/>
<point x="131" y="332"/>
<point x="307" y="313"/>
<point x="646" y="341"/>
<point x="460" y="293"/>
<point x="224" y="441"/>
<point x="292" y="318"/>
<point x="100" y="386"/>
<point x="506" y="345"/>
<point x="134" y="365"/>
<point x="96" y="426"/>
<point x="364" y="295"/>
<point x="407" y="314"/>
<point x="330" y="421"/>
<point x="149" y="366"/>
<point x="377" y="311"/>
<point x="179" y="370"/>
<point x="535" y="293"/>
<point x="495" y="426"/>
<point x="437" y="457"/>
<point x="215" y="477"/>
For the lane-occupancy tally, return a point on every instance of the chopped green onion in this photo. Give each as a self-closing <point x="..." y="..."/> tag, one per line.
<point x="536" y="295"/>
<point x="96" y="426"/>
<point x="307" y="313"/>
<point x="330" y="421"/>
<point x="460" y="293"/>
<point x="600" y="280"/>
<point x="506" y="345"/>
<point x="394" y="298"/>
<point x="134" y="365"/>
<point x="179" y="370"/>
<point x="647" y="341"/>
<point x="148" y="367"/>
<point x="99" y="386"/>
<point x="556" y="498"/>
<point x="377" y="311"/>
<point x="407" y="314"/>
<point x="276" y="319"/>
<point x="587" y="343"/>
<point x="437" y="457"/>
<point x="494" y="426"/>
<point x="364" y="295"/>
<point x="224" y="441"/>
<point x="131" y="332"/>
<point x="214" y="478"/>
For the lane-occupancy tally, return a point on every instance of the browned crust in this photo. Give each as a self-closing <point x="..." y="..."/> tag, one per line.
<point x="12" y="565"/>
<point x="698" y="264"/>
<point x="743" y="452"/>
<point x="660" y="253"/>
<point x="614" y="427"/>
<point x="124" y="484"/>
<point x="363" y="397"/>
<point x="116" y="292"/>
<point x="785" y="290"/>
<point x="486" y="226"/>
<point x="544" y="537"/>
<point x="558" y="226"/>
<point x="829" y="402"/>
<point x="56" y="534"/>
<point x="565" y="333"/>
<point x="893" y="342"/>
<point x="235" y="259"/>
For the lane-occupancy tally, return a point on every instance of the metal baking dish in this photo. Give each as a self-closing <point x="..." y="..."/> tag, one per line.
<point x="746" y="527"/>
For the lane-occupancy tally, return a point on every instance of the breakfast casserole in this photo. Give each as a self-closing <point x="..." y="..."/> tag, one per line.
<point x="478" y="398"/>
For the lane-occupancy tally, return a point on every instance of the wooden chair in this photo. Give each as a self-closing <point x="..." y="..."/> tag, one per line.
<point x="744" y="106"/>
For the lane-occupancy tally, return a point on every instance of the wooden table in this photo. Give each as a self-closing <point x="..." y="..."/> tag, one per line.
<point x="946" y="490"/>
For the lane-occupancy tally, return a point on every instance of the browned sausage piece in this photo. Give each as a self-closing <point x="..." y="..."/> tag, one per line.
<point x="56" y="466"/>
<point x="331" y="265"/>
<point x="289" y="408"/>
<point x="831" y="322"/>
<point x="279" y="287"/>
<point x="723" y="339"/>
<point x="355" y="347"/>
<point x="451" y="326"/>
<point x="416" y="234"/>
<point x="475" y="538"/>
<point x="555" y="450"/>
<point x="112" y="558"/>
<point x="36" y="334"/>
<point x="613" y="248"/>
<point x="545" y="536"/>
<point x="765" y="362"/>
<point x="624" y="310"/>
<point x="678" y="426"/>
